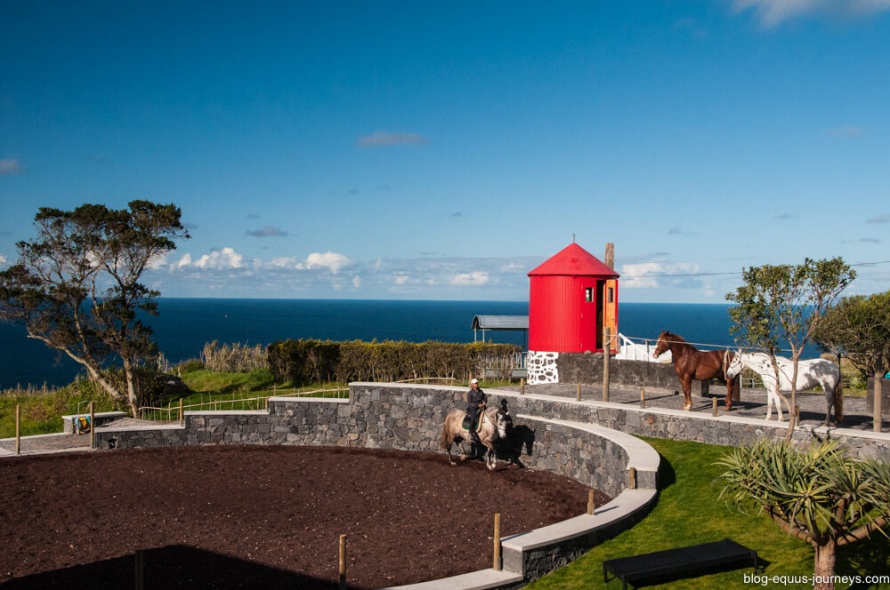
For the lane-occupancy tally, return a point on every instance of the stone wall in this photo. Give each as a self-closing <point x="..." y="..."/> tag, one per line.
<point x="410" y="418"/>
<point x="388" y="416"/>
<point x="588" y="369"/>
<point x="692" y="426"/>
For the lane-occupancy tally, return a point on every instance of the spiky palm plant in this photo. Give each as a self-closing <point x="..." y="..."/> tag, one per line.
<point x="816" y="493"/>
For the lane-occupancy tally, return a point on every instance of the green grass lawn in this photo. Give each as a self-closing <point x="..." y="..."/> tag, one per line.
<point x="689" y="512"/>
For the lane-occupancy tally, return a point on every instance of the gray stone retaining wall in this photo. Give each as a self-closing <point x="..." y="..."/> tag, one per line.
<point x="388" y="416"/>
<point x="587" y="368"/>
<point x="410" y="418"/>
<point x="692" y="426"/>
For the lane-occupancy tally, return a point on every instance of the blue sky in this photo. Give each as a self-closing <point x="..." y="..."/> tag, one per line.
<point x="441" y="150"/>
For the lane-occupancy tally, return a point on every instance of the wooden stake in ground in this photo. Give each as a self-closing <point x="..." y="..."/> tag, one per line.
<point x="140" y="569"/>
<point x="342" y="566"/>
<point x="497" y="541"/>
<point x="606" y="352"/>
<point x="18" y="429"/>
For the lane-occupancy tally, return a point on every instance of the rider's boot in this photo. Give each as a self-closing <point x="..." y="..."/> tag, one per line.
<point x="478" y="450"/>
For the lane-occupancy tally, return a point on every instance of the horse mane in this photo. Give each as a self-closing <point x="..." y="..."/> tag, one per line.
<point x="671" y="337"/>
<point x="676" y="339"/>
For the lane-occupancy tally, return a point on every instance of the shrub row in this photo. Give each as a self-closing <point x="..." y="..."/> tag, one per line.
<point x="233" y="358"/>
<point x="304" y="361"/>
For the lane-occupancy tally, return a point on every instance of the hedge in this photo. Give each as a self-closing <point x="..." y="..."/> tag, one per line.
<point x="305" y="361"/>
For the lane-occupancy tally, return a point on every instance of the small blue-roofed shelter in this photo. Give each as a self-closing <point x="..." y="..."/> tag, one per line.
<point x="513" y="323"/>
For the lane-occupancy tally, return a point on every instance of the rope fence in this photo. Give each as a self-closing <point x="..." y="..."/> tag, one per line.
<point x="176" y="412"/>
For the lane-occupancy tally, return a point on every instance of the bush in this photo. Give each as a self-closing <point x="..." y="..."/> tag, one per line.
<point x="233" y="358"/>
<point x="304" y="361"/>
<point x="190" y="366"/>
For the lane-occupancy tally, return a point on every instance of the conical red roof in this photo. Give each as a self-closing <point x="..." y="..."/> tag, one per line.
<point x="574" y="261"/>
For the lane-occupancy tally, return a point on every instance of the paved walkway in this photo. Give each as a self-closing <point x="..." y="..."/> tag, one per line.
<point x="63" y="443"/>
<point x="752" y="402"/>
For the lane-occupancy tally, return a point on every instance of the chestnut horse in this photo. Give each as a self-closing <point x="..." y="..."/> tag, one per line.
<point x="691" y="363"/>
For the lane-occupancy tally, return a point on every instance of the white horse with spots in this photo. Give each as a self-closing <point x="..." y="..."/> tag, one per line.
<point x="810" y="373"/>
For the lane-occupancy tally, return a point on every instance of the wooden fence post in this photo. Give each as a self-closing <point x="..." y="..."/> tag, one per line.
<point x="522" y="386"/>
<point x="92" y="427"/>
<point x="497" y="541"/>
<point x="140" y="570"/>
<point x="18" y="429"/>
<point x="342" y="567"/>
<point x="181" y="414"/>
<point x="591" y="502"/>
<point x="607" y="344"/>
<point x="578" y="392"/>
<point x="714" y="406"/>
<point x="642" y="399"/>
<point x="632" y="478"/>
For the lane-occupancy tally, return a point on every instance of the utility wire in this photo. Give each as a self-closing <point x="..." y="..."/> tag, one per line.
<point x="715" y="274"/>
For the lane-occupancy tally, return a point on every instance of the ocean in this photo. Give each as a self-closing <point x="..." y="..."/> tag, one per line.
<point x="183" y="326"/>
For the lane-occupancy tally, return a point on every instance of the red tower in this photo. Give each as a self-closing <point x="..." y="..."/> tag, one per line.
<point x="573" y="296"/>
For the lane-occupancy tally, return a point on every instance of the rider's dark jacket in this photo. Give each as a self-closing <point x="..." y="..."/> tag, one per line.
<point x="474" y="397"/>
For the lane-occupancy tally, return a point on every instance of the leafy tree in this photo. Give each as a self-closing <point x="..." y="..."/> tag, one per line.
<point x="786" y="303"/>
<point x="859" y="328"/>
<point x="817" y="494"/>
<point x="76" y="285"/>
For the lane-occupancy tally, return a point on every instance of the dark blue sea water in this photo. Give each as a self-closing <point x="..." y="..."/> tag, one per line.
<point x="184" y="325"/>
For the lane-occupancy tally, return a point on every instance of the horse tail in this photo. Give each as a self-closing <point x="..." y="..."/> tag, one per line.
<point x="839" y="399"/>
<point x="443" y="438"/>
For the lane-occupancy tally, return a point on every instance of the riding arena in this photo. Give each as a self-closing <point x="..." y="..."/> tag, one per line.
<point x="583" y="429"/>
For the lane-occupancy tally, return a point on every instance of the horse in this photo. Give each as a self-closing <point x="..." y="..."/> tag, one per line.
<point x="691" y="363"/>
<point x="810" y="373"/>
<point x="493" y="426"/>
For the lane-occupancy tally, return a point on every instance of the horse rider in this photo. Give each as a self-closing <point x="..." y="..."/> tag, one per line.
<point x="476" y="401"/>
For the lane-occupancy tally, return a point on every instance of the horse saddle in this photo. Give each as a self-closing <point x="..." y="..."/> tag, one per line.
<point x="468" y="422"/>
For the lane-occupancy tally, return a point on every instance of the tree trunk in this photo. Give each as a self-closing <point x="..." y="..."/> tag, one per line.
<point x="97" y="378"/>
<point x="824" y="566"/>
<point x="132" y="399"/>
<point x="878" y="410"/>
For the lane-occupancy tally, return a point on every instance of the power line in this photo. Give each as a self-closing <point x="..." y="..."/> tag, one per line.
<point x="717" y="274"/>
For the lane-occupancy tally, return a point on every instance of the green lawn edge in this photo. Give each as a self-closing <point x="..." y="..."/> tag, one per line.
<point x="688" y="512"/>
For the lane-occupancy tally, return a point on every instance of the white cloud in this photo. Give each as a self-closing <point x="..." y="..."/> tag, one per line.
<point x="773" y="12"/>
<point x="158" y="262"/>
<point x="653" y="275"/>
<point x="185" y="261"/>
<point x="329" y="260"/>
<point x="227" y="259"/>
<point x="635" y="276"/>
<point x="218" y="259"/>
<point x="470" y="279"/>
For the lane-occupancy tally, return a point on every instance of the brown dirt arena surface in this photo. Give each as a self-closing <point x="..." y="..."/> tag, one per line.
<point x="261" y="517"/>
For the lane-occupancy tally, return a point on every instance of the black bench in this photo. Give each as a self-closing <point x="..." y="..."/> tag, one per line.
<point x="682" y="562"/>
